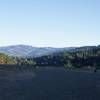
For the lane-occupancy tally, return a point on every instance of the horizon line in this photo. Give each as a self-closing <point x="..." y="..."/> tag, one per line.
<point x="45" y="46"/>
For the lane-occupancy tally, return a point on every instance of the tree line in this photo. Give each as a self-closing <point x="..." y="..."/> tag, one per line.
<point x="76" y="59"/>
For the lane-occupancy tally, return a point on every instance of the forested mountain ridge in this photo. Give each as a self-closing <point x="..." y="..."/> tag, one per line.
<point x="29" y="51"/>
<point x="87" y="56"/>
<point x="82" y="57"/>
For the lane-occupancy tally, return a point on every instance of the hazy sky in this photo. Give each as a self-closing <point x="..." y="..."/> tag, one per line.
<point x="55" y="23"/>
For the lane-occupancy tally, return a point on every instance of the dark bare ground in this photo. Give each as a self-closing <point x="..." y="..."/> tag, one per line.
<point x="48" y="84"/>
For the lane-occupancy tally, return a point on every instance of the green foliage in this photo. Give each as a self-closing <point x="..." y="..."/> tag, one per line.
<point x="4" y="59"/>
<point x="77" y="59"/>
<point x="9" y="60"/>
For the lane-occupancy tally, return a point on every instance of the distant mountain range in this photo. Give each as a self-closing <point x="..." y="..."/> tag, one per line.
<point x="29" y="51"/>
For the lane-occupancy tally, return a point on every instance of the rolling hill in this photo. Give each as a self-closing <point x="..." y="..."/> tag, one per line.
<point x="29" y="51"/>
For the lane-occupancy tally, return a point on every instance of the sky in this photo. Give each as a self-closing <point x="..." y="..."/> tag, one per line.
<point x="50" y="23"/>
